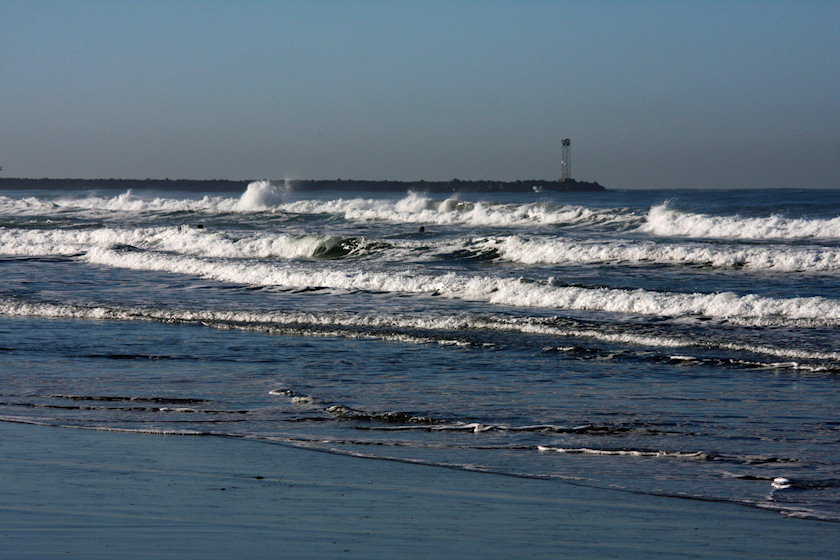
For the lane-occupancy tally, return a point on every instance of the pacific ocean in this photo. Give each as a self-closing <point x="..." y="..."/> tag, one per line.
<point x="678" y="344"/>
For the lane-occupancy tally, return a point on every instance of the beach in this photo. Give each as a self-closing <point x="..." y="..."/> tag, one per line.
<point x="419" y="281"/>
<point x="91" y="494"/>
<point x="273" y="373"/>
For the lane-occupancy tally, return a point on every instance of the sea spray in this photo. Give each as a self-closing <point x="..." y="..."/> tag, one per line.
<point x="261" y="195"/>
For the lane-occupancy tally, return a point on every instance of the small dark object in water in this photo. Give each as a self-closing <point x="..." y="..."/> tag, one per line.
<point x="422" y="229"/>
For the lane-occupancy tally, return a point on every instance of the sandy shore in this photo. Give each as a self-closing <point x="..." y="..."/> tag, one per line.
<point x="82" y="494"/>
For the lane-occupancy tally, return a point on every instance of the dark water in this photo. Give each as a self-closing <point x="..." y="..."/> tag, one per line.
<point x="680" y="343"/>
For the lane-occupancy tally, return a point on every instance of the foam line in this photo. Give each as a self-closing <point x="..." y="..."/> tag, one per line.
<point x="810" y="311"/>
<point x="378" y="324"/>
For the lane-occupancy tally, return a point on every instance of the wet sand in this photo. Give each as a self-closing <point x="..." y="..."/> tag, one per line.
<point x="83" y="494"/>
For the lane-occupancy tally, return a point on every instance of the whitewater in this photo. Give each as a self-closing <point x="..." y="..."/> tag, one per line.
<point x="677" y="343"/>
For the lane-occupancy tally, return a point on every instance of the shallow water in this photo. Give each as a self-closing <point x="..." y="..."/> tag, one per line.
<point x="680" y="343"/>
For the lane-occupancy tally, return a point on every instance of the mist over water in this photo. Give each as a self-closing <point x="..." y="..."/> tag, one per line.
<point x="676" y="343"/>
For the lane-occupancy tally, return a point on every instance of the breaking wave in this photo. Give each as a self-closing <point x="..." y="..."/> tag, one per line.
<point x="665" y="221"/>
<point x="750" y="309"/>
<point x="259" y="196"/>
<point x="560" y="251"/>
<point x="182" y="240"/>
<point x="201" y="242"/>
<point x="395" y="327"/>
<point x="263" y="196"/>
<point x="416" y="208"/>
<point x="125" y="203"/>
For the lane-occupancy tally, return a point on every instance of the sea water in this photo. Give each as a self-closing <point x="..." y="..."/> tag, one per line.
<point x="676" y="343"/>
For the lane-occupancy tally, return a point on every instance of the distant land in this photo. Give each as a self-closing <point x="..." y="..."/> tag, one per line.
<point x="223" y="185"/>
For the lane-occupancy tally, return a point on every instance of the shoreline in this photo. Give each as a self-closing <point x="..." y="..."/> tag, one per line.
<point x="93" y="494"/>
<point x="306" y="185"/>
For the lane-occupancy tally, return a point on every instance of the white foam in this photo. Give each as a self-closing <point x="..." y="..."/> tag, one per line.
<point x="378" y="322"/>
<point x="130" y="202"/>
<point x="560" y="251"/>
<point x="666" y="221"/>
<point x="539" y="250"/>
<point x="125" y="203"/>
<point x="264" y="196"/>
<point x="500" y="291"/>
<point x="416" y="208"/>
<point x="623" y="452"/>
<point x="780" y="483"/>
<point x="183" y="240"/>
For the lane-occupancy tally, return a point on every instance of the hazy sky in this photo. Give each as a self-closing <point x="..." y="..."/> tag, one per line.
<point x="652" y="94"/>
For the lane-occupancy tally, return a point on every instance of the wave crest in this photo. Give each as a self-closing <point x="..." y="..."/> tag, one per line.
<point x="666" y="221"/>
<point x="262" y="195"/>
<point x="184" y="240"/>
<point x="563" y="251"/>
<point x="727" y="306"/>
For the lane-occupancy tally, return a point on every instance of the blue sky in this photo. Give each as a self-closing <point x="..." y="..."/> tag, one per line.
<point x="652" y="94"/>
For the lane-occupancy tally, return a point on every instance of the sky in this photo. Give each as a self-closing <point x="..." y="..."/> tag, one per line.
<point x="702" y="94"/>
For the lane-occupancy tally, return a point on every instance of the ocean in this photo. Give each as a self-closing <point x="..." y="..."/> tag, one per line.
<point x="680" y="343"/>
